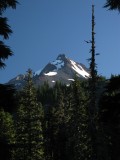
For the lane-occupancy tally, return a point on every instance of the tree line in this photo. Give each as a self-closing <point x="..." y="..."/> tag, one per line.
<point x="54" y="123"/>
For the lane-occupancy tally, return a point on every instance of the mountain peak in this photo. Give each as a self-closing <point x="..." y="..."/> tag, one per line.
<point x="61" y="57"/>
<point x="62" y="69"/>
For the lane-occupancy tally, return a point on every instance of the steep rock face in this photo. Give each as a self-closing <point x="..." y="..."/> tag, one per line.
<point x="62" y="69"/>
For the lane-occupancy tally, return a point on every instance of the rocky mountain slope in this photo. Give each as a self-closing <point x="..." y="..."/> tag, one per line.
<point x="62" y="69"/>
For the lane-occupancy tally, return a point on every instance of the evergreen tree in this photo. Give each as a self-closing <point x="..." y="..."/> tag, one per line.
<point x="60" y="125"/>
<point x="92" y="92"/>
<point x="45" y="94"/>
<point x="5" y="52"/>
<point x="93" y="71"/>
<point x="4" y="4"/>
<point x="113" y="5"/>
<point x="54" y="126"/>
<point x="6" y="135"/>
<point x="79" y="146"/>
<point x="110" y="117"/>
<point x="7" y="92"/>
<point x="5" y="30"/>
<point x="29" y="137"/>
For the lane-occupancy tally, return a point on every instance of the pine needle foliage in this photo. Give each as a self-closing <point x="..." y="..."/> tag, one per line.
<point x="79" y="144"/>
<point x="7" y="135"/>
<point x="29" y="138"/>
<point x="4" y="4"/>
<point x="92" y="92"/>
<point x="5" y="30"/>
<point x="113" y="5"/>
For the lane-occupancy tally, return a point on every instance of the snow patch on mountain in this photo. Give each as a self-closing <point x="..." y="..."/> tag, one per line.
<point x="50" y="74"/>
<point x="62" y="69"/>
<point x="79" y="69"/>
<point x="58" y="63"/>
<point x="20" y="77"/>
<point x="71" y="80"/>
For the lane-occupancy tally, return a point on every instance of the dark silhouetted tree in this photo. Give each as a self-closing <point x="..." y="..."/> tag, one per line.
<point x="92" y="91"/>
<point x="7" y="135"/>
<point x="5" y="30"/>
<point x="7" y="98"/>
<point x="113" y="5"/>
<point x="55" y="125"/>
<point x="79" y="143"/>
<point x="110" y="116"/>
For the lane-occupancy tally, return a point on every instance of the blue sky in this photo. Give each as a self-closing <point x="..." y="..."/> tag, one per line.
<point x="43" y="29"/>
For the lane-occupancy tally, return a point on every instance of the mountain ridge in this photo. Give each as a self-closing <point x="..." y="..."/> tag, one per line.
<point x="62" y="69"/>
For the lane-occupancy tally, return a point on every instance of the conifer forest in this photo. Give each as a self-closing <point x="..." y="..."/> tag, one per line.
<point x="76" y="122"/>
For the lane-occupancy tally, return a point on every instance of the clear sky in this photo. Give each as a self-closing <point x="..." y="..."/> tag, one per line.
<point x="43" y="29"/>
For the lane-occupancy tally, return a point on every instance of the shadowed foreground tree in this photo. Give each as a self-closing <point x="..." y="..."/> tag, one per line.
<point x="79" y="140"/>
<point x="7" y="4"/>
<point x="6" y="135"/>
<point x="6" y="92"/>
<point x="5" y="30"/>
<point x="55" y="125"/>
<point x="110" y="117"/>
<point x="113" y="5"/>
<point x="7" y="98"/>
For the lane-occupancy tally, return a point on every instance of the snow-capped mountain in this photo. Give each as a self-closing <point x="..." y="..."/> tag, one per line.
<point x="62" y="69"/>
